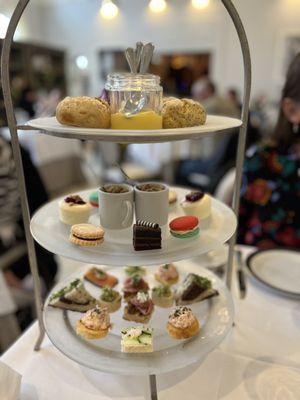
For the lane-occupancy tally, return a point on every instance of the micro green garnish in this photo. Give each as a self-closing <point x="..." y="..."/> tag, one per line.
<point x="65" y="289"/>
<point x="133" y="270"/>
<point x="136" y="279"/>
<point x="162" y="290"/>
<point x="108" y="294"/>
<point x="203" y="282"/>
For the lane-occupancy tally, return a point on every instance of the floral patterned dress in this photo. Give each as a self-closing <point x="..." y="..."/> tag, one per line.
<point x="270" y="199"/>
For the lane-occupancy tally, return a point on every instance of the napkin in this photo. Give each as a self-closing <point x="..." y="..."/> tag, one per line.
<point x="10" y="382"/>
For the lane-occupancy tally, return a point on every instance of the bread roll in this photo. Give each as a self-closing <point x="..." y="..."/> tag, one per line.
<point x="84" y="111"/>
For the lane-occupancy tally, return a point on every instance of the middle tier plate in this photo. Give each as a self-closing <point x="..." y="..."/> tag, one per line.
<point x="117" y="248"/>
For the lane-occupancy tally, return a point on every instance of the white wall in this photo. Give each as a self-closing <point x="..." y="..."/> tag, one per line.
<point x="75" y="25"/>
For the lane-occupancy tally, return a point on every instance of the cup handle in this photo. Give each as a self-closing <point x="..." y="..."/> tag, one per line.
<point x="128" y="213"/>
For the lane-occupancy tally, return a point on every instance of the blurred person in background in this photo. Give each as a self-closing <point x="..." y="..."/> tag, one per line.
<point x="215" y="154"/>
<point x="18" y="274"/>
<point x="234" y="97"/>
<point x="270" y="193"/>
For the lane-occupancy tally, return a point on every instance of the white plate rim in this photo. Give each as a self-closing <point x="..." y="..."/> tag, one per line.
<point x="215" y="123"/>
<point x="257" y="253"/>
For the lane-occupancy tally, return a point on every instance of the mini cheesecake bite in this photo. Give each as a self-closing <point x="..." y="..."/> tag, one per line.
<point x="73" y="210"/>
<point x="198" y="204"/>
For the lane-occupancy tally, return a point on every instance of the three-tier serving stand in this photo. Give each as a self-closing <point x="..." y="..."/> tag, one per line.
<point x="120" y="137"/>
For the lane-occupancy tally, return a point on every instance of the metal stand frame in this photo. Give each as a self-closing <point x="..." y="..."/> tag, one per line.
<point x="5" y="57"/>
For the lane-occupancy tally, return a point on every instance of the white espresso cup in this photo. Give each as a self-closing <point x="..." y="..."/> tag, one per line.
<point x="152" y="202"/>
<point x="116" y="205"/>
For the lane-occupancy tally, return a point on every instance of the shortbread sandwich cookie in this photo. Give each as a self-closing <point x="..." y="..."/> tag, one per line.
<point x="86" y="235"/>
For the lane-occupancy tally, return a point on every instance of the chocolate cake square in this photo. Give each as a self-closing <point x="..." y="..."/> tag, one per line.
<point x="146" y="236"/>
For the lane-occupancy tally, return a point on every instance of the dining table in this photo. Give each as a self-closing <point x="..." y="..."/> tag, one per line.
<point x="258" y="360"/>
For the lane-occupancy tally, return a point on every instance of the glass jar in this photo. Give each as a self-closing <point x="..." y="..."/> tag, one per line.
<point x="135" y="101"/>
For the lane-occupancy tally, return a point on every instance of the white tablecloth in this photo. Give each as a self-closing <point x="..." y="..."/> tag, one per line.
<point x="259" y="360"/>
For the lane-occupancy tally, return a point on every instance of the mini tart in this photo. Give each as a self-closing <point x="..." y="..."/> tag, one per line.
<point x="162" y="296"/>
<point x="110" y="299"/>
<point x="73" y="210"/>
<point x="94" y="324"/>
<point x="86" y="235"/>
<point x="198" y="204"/>
<point x="182" y="323"/>
<point x="184" y="227"/>
<point x="167" y="274"/>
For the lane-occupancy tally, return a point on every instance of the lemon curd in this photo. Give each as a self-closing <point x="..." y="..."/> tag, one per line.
<point x="141" y="121"/>
<point x="135" y="101"/>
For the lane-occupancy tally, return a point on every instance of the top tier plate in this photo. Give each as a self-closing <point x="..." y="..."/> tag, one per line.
<point x="214" y="124"/>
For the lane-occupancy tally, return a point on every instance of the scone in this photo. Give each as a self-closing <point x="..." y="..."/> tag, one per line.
<point x="198" y="204"/>
<point x="94" y="324"/>
<point x="182" y="323"/>
<point x="74" y="210"/>
<point x="84" y="111"/>
<point x="182" y="113"/>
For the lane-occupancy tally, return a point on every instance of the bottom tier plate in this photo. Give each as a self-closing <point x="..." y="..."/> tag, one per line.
<point x="215" y="317"/>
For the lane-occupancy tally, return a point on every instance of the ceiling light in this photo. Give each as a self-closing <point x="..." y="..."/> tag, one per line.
<point x="82" y="62"/>
<point x="157" y="6"/>
<point x="200" y="4"/>
<point x="108" y="9"/>
<point x="4" y="22"/>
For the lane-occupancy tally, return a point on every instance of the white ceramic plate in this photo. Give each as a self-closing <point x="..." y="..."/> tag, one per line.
<point x="215" y="317"/>
<point x="279" y="269"/>
<point x="214" y="123"/>
<point x="117" y="248"/>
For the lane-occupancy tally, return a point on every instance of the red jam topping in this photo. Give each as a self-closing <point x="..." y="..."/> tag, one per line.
<point x="74" y="200"/>
<point x="194" y="196"/>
